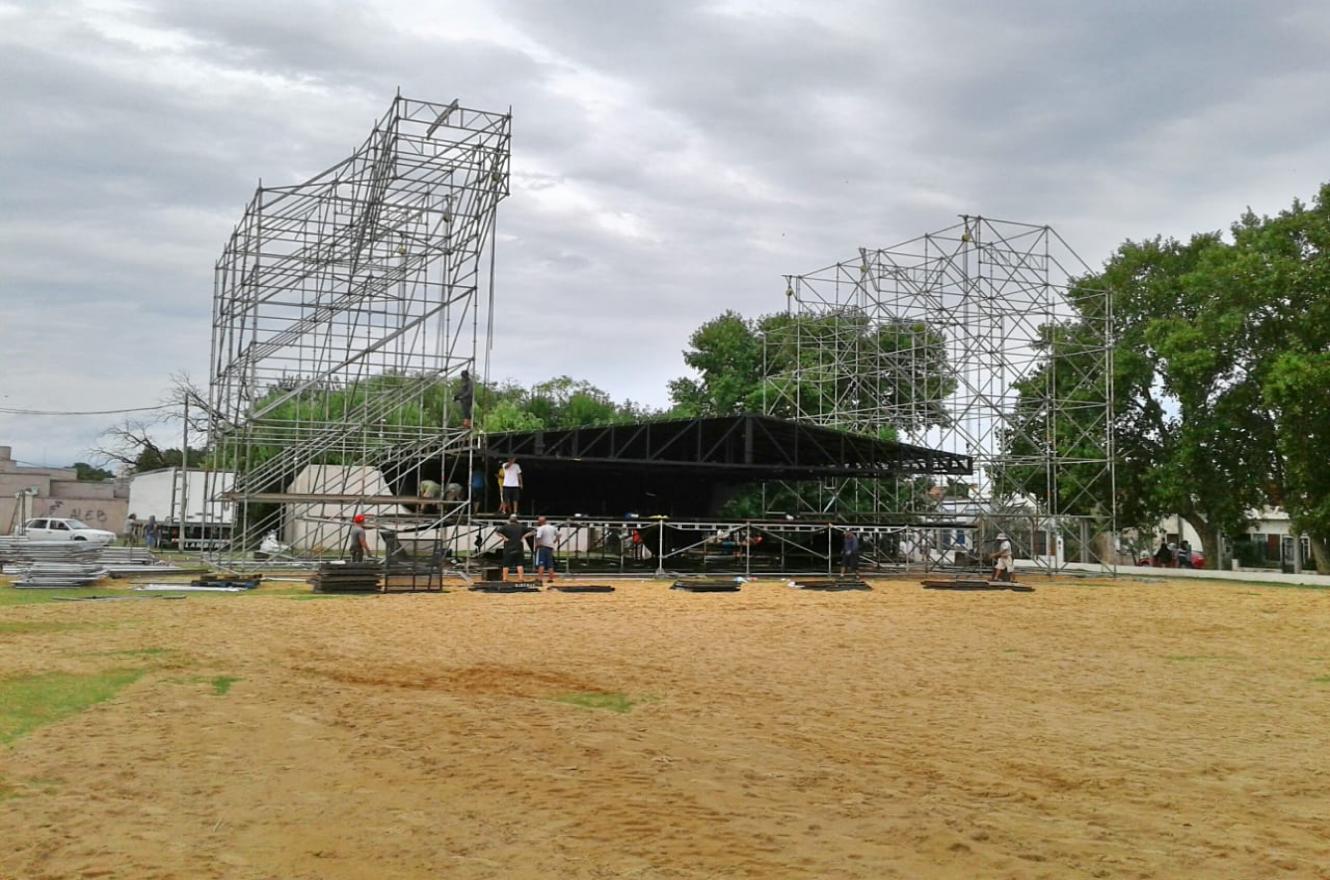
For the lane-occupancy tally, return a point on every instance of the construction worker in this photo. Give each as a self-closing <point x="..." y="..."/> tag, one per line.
<point x="1002" y="560"/>
<point x="514" y="536"/>
<point x="466" y="398"/>
<point x="512" y="484"/>
<point x="547" y="538"/>
<point x="359" y="543"/>
<point x="432" y="490"/>
<point x="849" y="554"/>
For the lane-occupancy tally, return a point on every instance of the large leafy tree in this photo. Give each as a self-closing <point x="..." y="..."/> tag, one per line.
<point x="726" y="353"/>
<point x="1271" y="329"/>
<point x="1222" y="353"/>
<point x="1186" y="438"/>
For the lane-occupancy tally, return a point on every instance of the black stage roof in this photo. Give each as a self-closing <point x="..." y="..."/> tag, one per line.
<point x="689" y="467"/>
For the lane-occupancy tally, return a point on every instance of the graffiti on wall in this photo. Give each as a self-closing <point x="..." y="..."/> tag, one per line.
<point x="107" y="514"/>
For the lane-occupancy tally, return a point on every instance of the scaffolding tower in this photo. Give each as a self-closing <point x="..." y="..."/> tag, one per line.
<point x="977" y="339"/>
<point x="345" y="309"/>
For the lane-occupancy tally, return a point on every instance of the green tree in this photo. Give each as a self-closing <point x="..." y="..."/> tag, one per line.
<point x="1220" y="376"/>
<point x="1211" y="447"/>
<point x="1296" y="388"/>
<point x="89" y="474"/>
<point x="564" y="402"/>
<point x="561" y="402"/>
<point x="1271" y="330"/>
<point x="1186" y="436"/>
<point x="726" y="352"/>
<point x="508" y="415"/>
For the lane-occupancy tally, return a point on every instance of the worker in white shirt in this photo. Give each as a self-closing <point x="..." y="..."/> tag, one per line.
<point x="512" y="485"/>
<point x="1003" y="564"/>
<point x="547" y="538"/>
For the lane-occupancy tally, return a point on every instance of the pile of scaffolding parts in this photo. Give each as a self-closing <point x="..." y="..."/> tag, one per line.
<point x="52" y="564"/>
<point x="130" y="561"/>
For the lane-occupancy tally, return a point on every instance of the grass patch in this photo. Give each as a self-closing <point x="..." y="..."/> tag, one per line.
<point x="24" y="627"/>
<point x="222" y="683"/>
<point x="133" y="652"/>
<point x="609" y="702"/>
<point x="305" y="597"/>
<point x="13" y="596"/>
<point x="1187" y="658"/>
<point x="1322" y="679"/>
<point x="31" y="701"/>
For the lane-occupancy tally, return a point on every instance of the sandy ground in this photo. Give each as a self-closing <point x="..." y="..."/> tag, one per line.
<point x="1089" y="729"/>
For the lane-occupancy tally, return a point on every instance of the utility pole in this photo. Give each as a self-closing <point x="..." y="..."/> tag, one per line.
<point x="184" y="474"/>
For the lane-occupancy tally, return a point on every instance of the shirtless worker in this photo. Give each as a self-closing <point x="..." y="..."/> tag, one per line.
<point x="514" y="536"/>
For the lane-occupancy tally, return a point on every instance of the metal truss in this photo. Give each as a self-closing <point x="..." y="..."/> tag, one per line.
<point x="345" y="308"/>
<point x="975" y="340"/>
<point x="663" y="546"/>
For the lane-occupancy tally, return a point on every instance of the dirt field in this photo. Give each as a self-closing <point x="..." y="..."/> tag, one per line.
<point x="1089" y="729"/>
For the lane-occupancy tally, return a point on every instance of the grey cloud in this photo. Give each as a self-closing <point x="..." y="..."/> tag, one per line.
<point x="670" y="160"/>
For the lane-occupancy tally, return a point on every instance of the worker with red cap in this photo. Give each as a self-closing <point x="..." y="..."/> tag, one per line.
<point x="358" y="543"/>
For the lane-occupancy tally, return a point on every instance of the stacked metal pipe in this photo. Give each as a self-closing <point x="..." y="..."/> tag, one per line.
<point x="52" y="564"/>
<point x="56" y="575"/>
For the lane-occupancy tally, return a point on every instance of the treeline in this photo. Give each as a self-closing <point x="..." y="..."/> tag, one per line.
<point x="561" y="402"/>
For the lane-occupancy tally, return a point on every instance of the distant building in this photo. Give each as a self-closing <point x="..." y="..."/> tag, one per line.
<point x="59" y="492"/>
<point x="1267" y="543"/>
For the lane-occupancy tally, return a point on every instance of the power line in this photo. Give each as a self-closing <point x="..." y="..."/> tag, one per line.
<point x="15" y="411"/>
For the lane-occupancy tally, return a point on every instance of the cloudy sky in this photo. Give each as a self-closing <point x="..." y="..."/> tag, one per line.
<point x="670" y="159"/>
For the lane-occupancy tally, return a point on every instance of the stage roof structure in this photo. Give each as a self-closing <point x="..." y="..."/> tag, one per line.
<point x="691" y="466"/>
<point x="747" y="447"/>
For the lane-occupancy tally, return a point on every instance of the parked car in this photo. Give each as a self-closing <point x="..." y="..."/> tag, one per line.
<point x="52" y="529"/>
